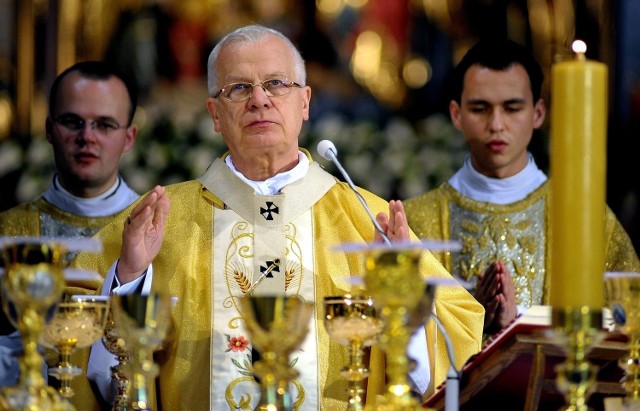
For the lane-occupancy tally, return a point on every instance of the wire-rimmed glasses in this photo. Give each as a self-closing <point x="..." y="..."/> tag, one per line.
<point x="243" y="91"/>
<point x="73" y="123"/>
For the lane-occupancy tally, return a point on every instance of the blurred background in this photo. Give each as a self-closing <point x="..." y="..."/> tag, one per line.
<point x="378" y="70"/>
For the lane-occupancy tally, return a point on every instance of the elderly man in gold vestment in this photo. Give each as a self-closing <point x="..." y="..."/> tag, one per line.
<point x="204" y="241"/>
<point x="91" y="107"/>
<point x="497" y="204"/>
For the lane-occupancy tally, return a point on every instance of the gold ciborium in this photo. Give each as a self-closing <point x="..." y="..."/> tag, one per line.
<point x="352" y="321"/>
<point x="33" y="281"/>
<point x="142" y="321"/>
<point x="76" y="324"/>
<point x="623" y="297"/>
<point x="277" y="326"/>
<point x="117" y="346"/>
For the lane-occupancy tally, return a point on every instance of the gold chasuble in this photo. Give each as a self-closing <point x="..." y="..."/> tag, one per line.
<point x="41" y="218"/>
<point x="220" y="238"/>
<point x="516" y="233"/>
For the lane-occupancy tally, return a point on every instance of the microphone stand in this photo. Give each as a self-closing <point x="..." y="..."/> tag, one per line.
<point x="452" y="394"/>
<point x="330" y="154"/>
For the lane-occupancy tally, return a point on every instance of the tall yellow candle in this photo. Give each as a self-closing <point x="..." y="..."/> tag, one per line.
<point x="578" y="172"/>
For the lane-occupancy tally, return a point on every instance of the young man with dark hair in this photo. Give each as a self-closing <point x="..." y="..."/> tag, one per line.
<point x="497" y="204"/>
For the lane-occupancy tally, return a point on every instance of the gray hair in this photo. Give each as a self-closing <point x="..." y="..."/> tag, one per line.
<point x="252" y="34"/>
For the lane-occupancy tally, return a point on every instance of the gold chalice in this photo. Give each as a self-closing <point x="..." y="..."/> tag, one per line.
<point x="142" y="321"/>
<point x="403" y="302"/>
<point x="117" y="346"/>
<point x="277" y="326"/>
<point x="352" y="321"/>
<point x="393" y="280"/>
<point x="77" y="324"/>
<point x="33" y="281"/>
<point x="623" y="297"/>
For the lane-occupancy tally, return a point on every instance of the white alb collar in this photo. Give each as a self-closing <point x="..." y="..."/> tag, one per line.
<point x="472" y="184"/>
<point x="273" y="185"/>
<point x="114" y="200"/>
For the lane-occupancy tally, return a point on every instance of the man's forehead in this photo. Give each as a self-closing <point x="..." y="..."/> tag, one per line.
<point x="483" y="83"/>
<point x="513" y="73"/>
<point x="267" y="57"/>
<point x="80" y="94"/>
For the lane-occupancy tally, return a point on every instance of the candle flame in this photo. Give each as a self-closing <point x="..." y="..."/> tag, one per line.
<point x="579" y="47"/>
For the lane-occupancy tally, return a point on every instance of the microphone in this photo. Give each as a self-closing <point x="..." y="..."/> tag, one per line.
<point x="328" y="151"/>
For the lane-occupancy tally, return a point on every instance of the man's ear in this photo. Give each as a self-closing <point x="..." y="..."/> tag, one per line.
<point x="212" y="108"/>
<point x="48" y="126"/>
<point x="306" y="99"/>
<point x="539" y="113"/>
<point x="454" y="112"/>
<point x="131" y="137"/>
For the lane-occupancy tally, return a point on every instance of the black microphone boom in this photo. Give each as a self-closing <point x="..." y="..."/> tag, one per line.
<point x="329" y="152"/>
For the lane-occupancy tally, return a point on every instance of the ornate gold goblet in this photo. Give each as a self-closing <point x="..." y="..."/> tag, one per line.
<point x="352" y="321"/>
<point x="277" y="326"/>
<point x="77" y="324"/>
<point x="142" y="321"/>
<point x="117" y="346"/>
<point x="33" y="280"/>
<point x="398" y="289"/>
<point x="623" y="297"/>
<point x="576" y="330"/>
<point x="404" y="302"/>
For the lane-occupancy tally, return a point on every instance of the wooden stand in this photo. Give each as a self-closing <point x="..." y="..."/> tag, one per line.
<point x="516" y="371"/>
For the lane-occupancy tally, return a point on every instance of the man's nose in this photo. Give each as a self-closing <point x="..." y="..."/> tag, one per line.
<point x="88" y="132"/>
<point x="259" y="96"/>
<point x="496" y="121"/>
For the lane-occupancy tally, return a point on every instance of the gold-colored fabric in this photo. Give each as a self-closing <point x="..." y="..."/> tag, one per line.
<point x="517" y="233"/>
<point x="41" y="218"/>
<point x="183" y="269"/>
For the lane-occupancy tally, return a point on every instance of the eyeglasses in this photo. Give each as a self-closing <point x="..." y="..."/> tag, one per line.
<point x="243" y="91"/>
<point x="75" y="123"/>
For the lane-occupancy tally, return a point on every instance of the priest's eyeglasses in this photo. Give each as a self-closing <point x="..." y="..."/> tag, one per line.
<point x="74" y="123"/>
<point x="243" y="91"/>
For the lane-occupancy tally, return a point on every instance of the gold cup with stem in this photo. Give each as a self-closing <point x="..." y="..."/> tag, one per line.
<point x="32" y="283"/>
<point x="277" y="326"/>
<point x="77" y="323"/>
<point x="403" y="301"/>
<point x="142" y="321"/>
<point x="352" y="321"/>
<point x="393" y="280"/>
<point x="623" y="298"/>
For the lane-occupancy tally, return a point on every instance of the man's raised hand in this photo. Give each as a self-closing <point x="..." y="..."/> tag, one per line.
<point x="142" y="235"/>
